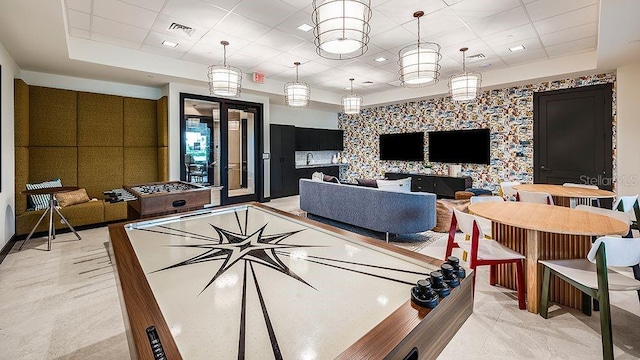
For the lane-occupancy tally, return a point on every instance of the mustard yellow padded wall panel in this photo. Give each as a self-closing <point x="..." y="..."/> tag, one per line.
<point x="140" y="165"/>
<point x="21" y="113"/>
<point x="100" y="120"/>
<point x="46" y="163"/>
<point x="163" y="121"/>
<point x="100" y="169"/>
<point x="140" y="122"/>
<point x="22" y="177"/>
<point x="115" y="211"/>
<point x="52" y="117"/>
<point x="163" y="163"/>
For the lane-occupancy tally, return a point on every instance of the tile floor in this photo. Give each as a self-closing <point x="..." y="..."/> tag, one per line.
<point x="64" y="304"/>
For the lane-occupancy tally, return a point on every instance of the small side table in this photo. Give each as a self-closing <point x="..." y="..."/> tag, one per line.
<point x="52" y="230"/>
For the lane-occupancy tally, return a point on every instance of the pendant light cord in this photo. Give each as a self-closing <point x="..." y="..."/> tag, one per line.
<point x="297" y="72"/>
<point x="464" y="66"/>
<point x="224" y="56"/>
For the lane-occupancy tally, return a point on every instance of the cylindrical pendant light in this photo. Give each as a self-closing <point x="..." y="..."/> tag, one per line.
<point x="341" y="28"/>
<point x="225" y="80"/>
<point x="351" y="103"/>
<point x="296" y="94"/>
<point x="419" y="63"/>
<point x="464" y="86"/>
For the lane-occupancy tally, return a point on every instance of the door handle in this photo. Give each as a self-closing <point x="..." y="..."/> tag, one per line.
<point x="544" y="168"/>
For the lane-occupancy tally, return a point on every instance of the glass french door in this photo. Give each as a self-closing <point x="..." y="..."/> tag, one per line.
<point x="241" y="154"/>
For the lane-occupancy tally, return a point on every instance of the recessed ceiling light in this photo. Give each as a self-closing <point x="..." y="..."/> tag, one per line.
<point x="485" y="65"/>
<point x="305" y="27"/>
<point x="169" y="43"/>
<point x="516" y="48"/>
<point x="380" y="59"/>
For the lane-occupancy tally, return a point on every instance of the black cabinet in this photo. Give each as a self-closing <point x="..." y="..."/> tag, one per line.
<point x="283" y="162"/>
<point x="442" y="186"/>
<point x="308" y="139"/>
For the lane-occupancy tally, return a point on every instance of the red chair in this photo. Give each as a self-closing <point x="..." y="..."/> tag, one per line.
<point x="484" y="251"/>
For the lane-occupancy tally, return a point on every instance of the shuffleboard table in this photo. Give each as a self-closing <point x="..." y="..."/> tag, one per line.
<point x="251" y="282"/>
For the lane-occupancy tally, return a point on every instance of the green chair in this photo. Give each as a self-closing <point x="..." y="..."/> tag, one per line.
<point x="595" y="279"/>
<point x="626" y="204"/>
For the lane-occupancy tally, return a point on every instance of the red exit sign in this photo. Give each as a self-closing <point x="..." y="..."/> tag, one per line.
<point x="258" y="78"/>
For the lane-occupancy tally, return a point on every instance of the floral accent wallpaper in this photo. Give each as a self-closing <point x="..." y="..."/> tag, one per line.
<point x="508" y="113"/>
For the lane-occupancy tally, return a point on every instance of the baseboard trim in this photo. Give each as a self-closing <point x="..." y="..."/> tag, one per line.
<point x="7" y="248"/>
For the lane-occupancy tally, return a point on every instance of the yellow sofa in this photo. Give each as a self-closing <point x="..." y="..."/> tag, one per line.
<point x="94" y="141"/>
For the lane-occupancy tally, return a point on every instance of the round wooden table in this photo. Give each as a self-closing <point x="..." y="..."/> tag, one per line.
<point x="52" y="229"/>
<point x="544" y="232"/>
<point x="566" y="195"/>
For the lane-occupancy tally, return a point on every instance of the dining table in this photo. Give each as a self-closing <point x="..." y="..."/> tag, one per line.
<point x="567" y="195"/>
<point x="544" y="232"/>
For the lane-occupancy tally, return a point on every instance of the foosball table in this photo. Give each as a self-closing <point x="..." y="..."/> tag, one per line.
<point x="163" y="198"/>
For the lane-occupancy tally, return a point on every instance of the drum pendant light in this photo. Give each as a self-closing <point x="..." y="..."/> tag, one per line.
<point x="296" y="94"/>
<point x="419" y="63"/>
<point x="225" y="80"/>
<point x="351" y="103"/>
<point x="341" y="28"/>
<point x="464" y="86"/>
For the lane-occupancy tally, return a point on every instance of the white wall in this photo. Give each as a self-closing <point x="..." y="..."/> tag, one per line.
<point x="304" y="117"/>
<point x="7" y="194"/>
<point x="628" y="107"/>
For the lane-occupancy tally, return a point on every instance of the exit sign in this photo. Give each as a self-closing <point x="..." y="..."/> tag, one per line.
<point x="258" y="78"/>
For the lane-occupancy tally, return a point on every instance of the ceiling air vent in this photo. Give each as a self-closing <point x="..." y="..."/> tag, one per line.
<point x="476" y="57"/>
<point x="184" y="28"/>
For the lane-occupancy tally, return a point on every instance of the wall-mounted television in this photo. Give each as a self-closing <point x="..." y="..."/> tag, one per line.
<point x="404" y="147"/>
<point x="460" y="146"/>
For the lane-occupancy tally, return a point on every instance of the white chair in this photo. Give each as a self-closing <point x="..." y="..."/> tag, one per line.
<point x="507" y="191"/>
<point x="583" y="201"/>
<point x="484" y="251"/>
<point x="593" y="277"/>
<point x="534" y="197"/>
<point x="610" y="213"/>
<point x="626" y="204"/>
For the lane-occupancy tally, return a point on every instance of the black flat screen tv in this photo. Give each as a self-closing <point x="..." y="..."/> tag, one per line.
<point x="460" y="146"/>
<point x="404" y="147"/>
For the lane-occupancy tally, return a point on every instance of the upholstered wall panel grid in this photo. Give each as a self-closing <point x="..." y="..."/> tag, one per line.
<point x="163" y="121"/>
<point x="163" y="163"/>
<point x="22" y="177"/>
<point x="21" y="113"/>
<point x="140" y="165"/>
<point x="140" y="122"/>
<point x="100" y="120"/>
<point x="46" y="163"/>
<point x="52" y="117"/>
<point x="100" y="169"/>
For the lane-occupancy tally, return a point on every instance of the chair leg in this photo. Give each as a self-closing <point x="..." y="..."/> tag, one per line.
<point x="492" y="274"/>
<point x="605" y="325"/>
<point x="636" y="274"/>
<point x="475" y="275"/>
<point x="544" y="295"/>
<point x="520" y="284"/>
<point x="586" y="304"/>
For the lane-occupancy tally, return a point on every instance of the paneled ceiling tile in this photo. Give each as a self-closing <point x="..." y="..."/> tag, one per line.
<point x="356" y="67"/>
<point x="241" y="27"/>
<point x="543" y="9"/>
<point x="124" y="13"/>
<point x="224" y="4"/>
<point x="279" y="40"/>
<point x="163" y="22"/>
<point x="117" y="30"/>
<point x="298" y="4"/>
<point x="194" y="11"/>
<point x="115" y="41"/>
<point x="510" y="36"/>
<point x="475" y="46"/>
<point x="209" y="51"/>
<point x="572" y="47"/>
<point x="529" y="1"/>
<point x="567" y="20"/>
<point x="162" y="51"/>
<point x="259" y="51"/>
<point x="214" y="38"/>
<point x="287" y="59"/>
<point x="243" y="61"/>
<point x="393" y="38"/>
<point x="473" y="10"/>
<point x="312" y="67"/>
<point x="153" y="5"/>
<point x="155" y="39"/>
<point x="392" y="66"/>
<point x="490" y="65"/>
<point x="529" y="45"/>
<point x="290" y="25"/>
<point x="269" y="69"/>
<point x="79" y="33"/>
<point x="572" y="34"/>
<point x="79" y="19"/>
<point x="321" y="77"/>
<point x="80" y="5"/>
<point x="525" y="57"/>
<point x="401" y="11"/>
<point x="270" y="13"/>
<point x="451" y="37"/>
<point x="306" y="50"/>
<point x="370" y="58"/>
<point x="196" y="58"/>
<point x="378" y="76"/>
<point x="500" y="22"/>
<point x="435" y="23"/>
<point x="380" y="23"/>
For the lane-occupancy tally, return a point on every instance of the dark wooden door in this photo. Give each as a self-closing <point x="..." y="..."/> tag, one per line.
<point x="573" y="136"/>
<point x="276" y="162"/>
<point x="288" y="146"/>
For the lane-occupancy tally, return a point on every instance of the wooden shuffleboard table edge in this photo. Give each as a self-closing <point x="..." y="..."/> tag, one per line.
<point x="393" y="338"/>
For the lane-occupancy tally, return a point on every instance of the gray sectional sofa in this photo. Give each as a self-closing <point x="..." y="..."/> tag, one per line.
<point x="369" y="208"/>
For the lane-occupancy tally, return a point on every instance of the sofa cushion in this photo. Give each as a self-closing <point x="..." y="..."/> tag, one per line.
<point x="444" y="212"/>
<point x="72" y="197"/>
<point x="402" y="185"/>
<point x="367" y="182"/>
<point x="41" y="202"/>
